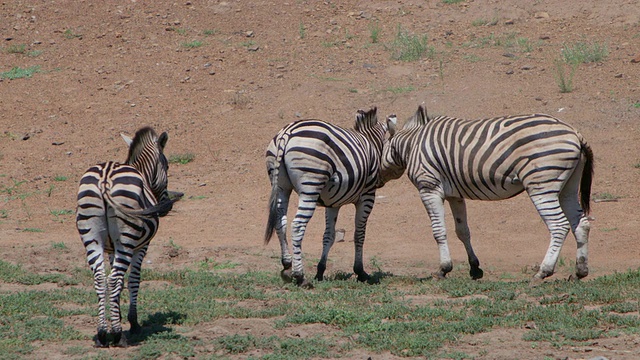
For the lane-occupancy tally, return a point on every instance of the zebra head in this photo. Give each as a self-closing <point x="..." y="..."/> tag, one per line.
<point x="396" y="151"/>
<point x="146" y="153"/>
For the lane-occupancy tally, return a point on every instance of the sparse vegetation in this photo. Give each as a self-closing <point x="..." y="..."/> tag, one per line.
<point x="374" y="32"/>
<point x="584" y="52"/>
<point x="60" y="178"/>
<point x="452" y="1"/>
<point x="407" y="47"/>
<point x="192" y="44"/>
<point x="402" y="315"/>
<point x="210" y="32"/>
<point x="564" y="78"/>
<point x="400" y="89"/>
<point x="35" y="230"/>
<point x="16" y="49"/>
<point x="301" y="30"/>
<point x="181" y="158"/>
<point x="70" y="34"/>
<point x="19" y="73"/>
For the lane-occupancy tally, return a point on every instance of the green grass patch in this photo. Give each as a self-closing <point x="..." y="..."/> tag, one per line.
<point x="400" y="89"/>
<point x="181" y="158"/>
<point x="70" y="34"/>
<point x="402" y="316"/>
<point x="210" y="32"/>
<point x="584" y="52"/>
<point x="452" y="1"/>
<point x="60" y="178"/>
<point x="564" y="76"/>
<point x="408" y="47"/>
<point x="18" y="73"/>
<point x="192" y="44"/>
<point x="16" y="49"/>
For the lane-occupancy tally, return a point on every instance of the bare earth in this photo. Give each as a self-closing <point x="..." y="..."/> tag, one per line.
<point x="111" y="67"/>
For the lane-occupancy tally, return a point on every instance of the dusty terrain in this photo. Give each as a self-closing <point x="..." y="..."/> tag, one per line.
<point x="112" y="67"/>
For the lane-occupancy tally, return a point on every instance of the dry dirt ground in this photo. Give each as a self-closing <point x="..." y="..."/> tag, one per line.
<point x="111" y="67"/>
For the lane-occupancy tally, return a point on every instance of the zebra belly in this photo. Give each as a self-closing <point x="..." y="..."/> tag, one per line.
<point x="340" y="191"/>
<point x="483" y="189"/>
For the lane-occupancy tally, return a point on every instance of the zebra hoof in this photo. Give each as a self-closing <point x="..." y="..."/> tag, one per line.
<point x="476" y="273"/>
<point x="119" y="340"/>
<point x="101" y="340"/>
<point x="535" y="282"/>
<point x="364" y="277"/>
<point x="286" y="275"/>
<point x="135" y="328"/>
<point x="438" y="275"/>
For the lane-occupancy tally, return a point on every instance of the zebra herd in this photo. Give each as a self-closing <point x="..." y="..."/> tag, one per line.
<point x="326" y="165"/>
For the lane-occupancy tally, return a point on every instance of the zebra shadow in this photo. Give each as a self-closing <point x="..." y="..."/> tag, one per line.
<point x="374" y="278"/>
<point x="155" y="324"/>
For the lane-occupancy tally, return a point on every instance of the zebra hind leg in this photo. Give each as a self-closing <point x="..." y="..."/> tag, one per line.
<point x="331" y="216"/>
<point x="281" y="230"/>
<point x="363" y="210"/>
<point x="115" y="283"/>
<point x="579" y="225"/>
<point x="134" y="286"/>
<point x="459" y="211"/>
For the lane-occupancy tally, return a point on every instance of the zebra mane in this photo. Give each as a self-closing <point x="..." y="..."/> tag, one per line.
<point x="418" y="119"/>
<point x="366" y="119"/>
<point x="141" y="140"/>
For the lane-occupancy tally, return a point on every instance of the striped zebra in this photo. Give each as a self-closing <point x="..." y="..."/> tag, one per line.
<point x="117" y="215"/>
<point x="327" y="166"/>
<point x="492" y="159"/>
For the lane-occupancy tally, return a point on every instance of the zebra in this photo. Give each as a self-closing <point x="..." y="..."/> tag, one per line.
<point x="492" y="159"/>
<point x="117" y="215"/>
<point x="327" y="166"/>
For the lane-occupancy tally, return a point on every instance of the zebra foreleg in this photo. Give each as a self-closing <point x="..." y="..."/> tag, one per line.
<point x="459" y="211"/>
<point x="434" y="203"/>
<point x="331" y="217"/>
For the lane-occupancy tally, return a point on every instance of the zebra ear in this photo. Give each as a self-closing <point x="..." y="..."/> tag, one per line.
<point x="392" y="124"/>
<point x="126" y="139"/>
<point x="421" y="115"/>
<point x="162" y="140"/>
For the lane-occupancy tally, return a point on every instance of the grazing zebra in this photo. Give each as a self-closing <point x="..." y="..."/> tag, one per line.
<point x="117" y="214"/>
<point x="493" y="159"/>
<point x="328" y="166"/>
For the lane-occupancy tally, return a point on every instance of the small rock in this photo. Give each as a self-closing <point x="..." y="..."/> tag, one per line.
<point x="368" y="66"/>
<point x="26" y="136"/>
<point x="509" y="55"/>
<point x="56" y="143"/>
<point x="541" y="15"/>
<point x="508" y="22"/>
<point x="298" y="114"/>
<point x="206" y="65"/>
<point x="279" y="76"/>
<point x="636" y="59"/>
<point x="538" y="98"/>
<point x="527" y="67"/>
<point x="212" y="72"/>
<point x="618" y="76"/>
<point x="544" y="37"/>
<point x="340" y="235"/>
<point x="509" y="72"/>
<point x="249" y="33"/>
<point x="253" y="48"/>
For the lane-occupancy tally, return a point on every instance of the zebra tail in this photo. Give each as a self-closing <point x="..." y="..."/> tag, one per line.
<point x="273" y="213"/>
<point x="160" y="209"/>
<point x="272" y="220"/>
<point x="587" y="177"/>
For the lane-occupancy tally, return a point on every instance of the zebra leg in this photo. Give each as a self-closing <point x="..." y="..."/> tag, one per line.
<point x="115" y="282"/>
<point x="306" y="207"/>
<point x="459" y="211"/>
<point x="579" y="224"/>
<point x="134" y="286"/>
<point x="281" y="229"/>
<point x="434" y="203"/>
<point x="331" y="217"/>
<point x="363" y="209"/>
<point x="550" y="211"/>
<point x="96" y="259"/>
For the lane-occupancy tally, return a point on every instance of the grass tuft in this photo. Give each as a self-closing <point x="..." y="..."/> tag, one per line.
<point x="19" y="73"/>
<point x="407" y="47"/>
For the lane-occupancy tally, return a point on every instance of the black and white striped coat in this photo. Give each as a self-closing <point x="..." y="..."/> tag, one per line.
<point x="328" y="166"/>
<point x="492" y="159"/>
<point x="117" y="216"/>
